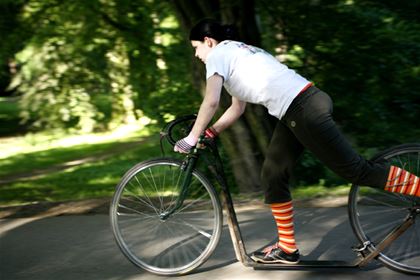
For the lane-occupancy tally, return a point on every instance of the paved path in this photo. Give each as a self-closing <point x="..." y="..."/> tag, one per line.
<point x="82" y="247"/>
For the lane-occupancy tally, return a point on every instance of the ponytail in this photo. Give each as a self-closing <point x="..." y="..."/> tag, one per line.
<point x="213" y="29"/>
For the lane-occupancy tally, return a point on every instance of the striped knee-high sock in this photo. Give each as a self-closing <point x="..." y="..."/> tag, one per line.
<point x="401" y="181"/>
<point x="283" y="215"/>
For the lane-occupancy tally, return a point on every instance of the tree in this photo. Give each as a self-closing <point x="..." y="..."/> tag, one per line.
<point x="90" y="65"/>
<point x="13" y="36"/>
<point x="367" y="61"/>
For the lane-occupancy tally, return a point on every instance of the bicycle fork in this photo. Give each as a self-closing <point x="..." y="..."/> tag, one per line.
<point x="187" y="168"/>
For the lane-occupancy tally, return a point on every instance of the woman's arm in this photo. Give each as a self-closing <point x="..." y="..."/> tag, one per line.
<point x="209" y="105"/>
<point x="230" y="115"/>
<point x="206" y="112"/>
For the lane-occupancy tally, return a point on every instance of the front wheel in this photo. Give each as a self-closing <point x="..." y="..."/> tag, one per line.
<point x="162" y="243"/>
<point x="375" y="212"/>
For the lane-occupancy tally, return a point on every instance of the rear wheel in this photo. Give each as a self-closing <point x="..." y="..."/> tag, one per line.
<point x="149" y="237"/>
<point x="374" y="213"/>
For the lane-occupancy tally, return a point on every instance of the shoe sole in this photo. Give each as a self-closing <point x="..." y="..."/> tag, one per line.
<point x="273" y="261"/>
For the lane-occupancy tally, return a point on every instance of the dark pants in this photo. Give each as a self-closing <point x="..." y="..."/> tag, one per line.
<point x="308" y="124"/>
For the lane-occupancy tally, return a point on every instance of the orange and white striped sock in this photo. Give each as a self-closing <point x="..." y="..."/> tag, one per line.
<point x="283" y="215"/>
<point x="401" y="181"/>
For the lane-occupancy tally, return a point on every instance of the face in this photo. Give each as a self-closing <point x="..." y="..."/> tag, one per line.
<point x="202" y="49"/>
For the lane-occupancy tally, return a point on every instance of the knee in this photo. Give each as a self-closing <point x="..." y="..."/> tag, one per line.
<point x="274" y="172"/>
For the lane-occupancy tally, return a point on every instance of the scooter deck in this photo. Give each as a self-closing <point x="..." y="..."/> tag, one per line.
<point x="304" y="264"/>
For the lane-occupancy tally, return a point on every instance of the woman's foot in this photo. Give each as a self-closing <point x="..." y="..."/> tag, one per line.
<point x="273" y="254"/>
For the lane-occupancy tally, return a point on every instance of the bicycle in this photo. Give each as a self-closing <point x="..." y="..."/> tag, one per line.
<point x="166" y="215"/>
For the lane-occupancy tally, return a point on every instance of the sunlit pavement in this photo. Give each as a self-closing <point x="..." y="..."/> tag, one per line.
<point x="82" y="247"/>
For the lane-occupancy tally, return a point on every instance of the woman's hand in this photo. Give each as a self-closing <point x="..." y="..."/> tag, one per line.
<point x="185" y="144"/>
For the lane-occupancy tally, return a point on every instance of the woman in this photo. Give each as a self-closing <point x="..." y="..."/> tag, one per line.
<point x="252" y="75"/>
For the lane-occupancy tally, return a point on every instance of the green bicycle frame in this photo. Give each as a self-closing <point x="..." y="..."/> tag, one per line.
<point x="187" y="167"/>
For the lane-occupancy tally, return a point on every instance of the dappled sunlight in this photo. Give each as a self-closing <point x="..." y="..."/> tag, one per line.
<point x="77" y="172"/>
<point x="103" y="180"/>
<point x="321" y="191"/>
<point x="36" y="142"/>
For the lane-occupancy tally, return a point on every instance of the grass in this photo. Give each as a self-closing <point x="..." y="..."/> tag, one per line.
<point x="303" y="192"/>
<point x="91" y="180"/>
<point x="22" y="155"/>
<point x="94" y="179"/>
<point x="28" y="161"/>
<point x="41" y="152"/>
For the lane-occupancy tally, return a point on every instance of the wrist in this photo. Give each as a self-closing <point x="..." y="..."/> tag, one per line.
<point x="211" y="132"/>
<point x="191" y="139"/>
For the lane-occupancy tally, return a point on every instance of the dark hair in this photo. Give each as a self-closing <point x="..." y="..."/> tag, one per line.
<point x="213" y="29"/>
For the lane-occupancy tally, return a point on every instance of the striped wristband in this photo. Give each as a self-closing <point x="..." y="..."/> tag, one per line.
<point x="183" y="145"/>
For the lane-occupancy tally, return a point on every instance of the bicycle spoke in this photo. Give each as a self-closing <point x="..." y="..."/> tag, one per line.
<point x="165" y="244"/>
<point x="195" y="228"/>
<point x="177" y="187"/>
<point x="192" y="203"/>
<point x="383" y="211"/>
<point x="192" y="246"/>
<point x="156" y="189"/>
<point x="375" y="213"/>
<point x="134" y="211"/>
<point x="183" y="248"/>
<point x="140" y="200"/>
<point x="141" y="188"/>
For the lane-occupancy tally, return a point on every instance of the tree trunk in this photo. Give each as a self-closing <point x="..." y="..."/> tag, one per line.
<point x="245" y="142"/>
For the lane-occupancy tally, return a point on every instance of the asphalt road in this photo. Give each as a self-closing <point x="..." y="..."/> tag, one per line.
<point x="82" y="247"/>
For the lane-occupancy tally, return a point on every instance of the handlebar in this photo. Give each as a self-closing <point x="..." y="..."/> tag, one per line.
<point x="178" y="128"/>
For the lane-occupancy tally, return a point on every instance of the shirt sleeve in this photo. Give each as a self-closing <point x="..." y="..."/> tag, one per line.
<point x="217" y="64"/>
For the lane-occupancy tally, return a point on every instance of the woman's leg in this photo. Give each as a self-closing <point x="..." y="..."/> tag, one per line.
<point x="310" y="120"/>
<point x="281" y="157"/>
<point x="401" y="181"/>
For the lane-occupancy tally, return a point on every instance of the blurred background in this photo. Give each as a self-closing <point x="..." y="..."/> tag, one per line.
<point x="85" y="86"/>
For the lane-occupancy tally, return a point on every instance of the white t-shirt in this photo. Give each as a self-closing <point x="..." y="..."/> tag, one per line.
<point x="253" y="75"/>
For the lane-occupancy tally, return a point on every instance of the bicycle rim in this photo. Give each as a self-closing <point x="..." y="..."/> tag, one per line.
<point x="375" y="212"/>
<point x="177" y="244"/>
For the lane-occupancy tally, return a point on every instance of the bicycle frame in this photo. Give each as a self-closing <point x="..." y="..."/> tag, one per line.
<point x="188" y="167"/>
<point x="366" y="252"/>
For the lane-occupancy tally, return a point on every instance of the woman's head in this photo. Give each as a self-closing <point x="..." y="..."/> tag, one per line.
<point x="206" y="34"/>
<point x="212" y="29"/>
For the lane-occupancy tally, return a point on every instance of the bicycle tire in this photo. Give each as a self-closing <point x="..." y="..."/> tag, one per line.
<point x="375" y="212"/>
<point x="177" y="244"/>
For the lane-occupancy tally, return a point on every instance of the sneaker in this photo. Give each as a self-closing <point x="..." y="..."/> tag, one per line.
<point x="274" y="254"/>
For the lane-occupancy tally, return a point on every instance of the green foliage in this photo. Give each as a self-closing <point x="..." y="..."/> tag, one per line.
<point x="9" y="116"/>
<point x="96" y="64"/>
<point x="92" y="65"/>
<point x="366" y="55"/>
